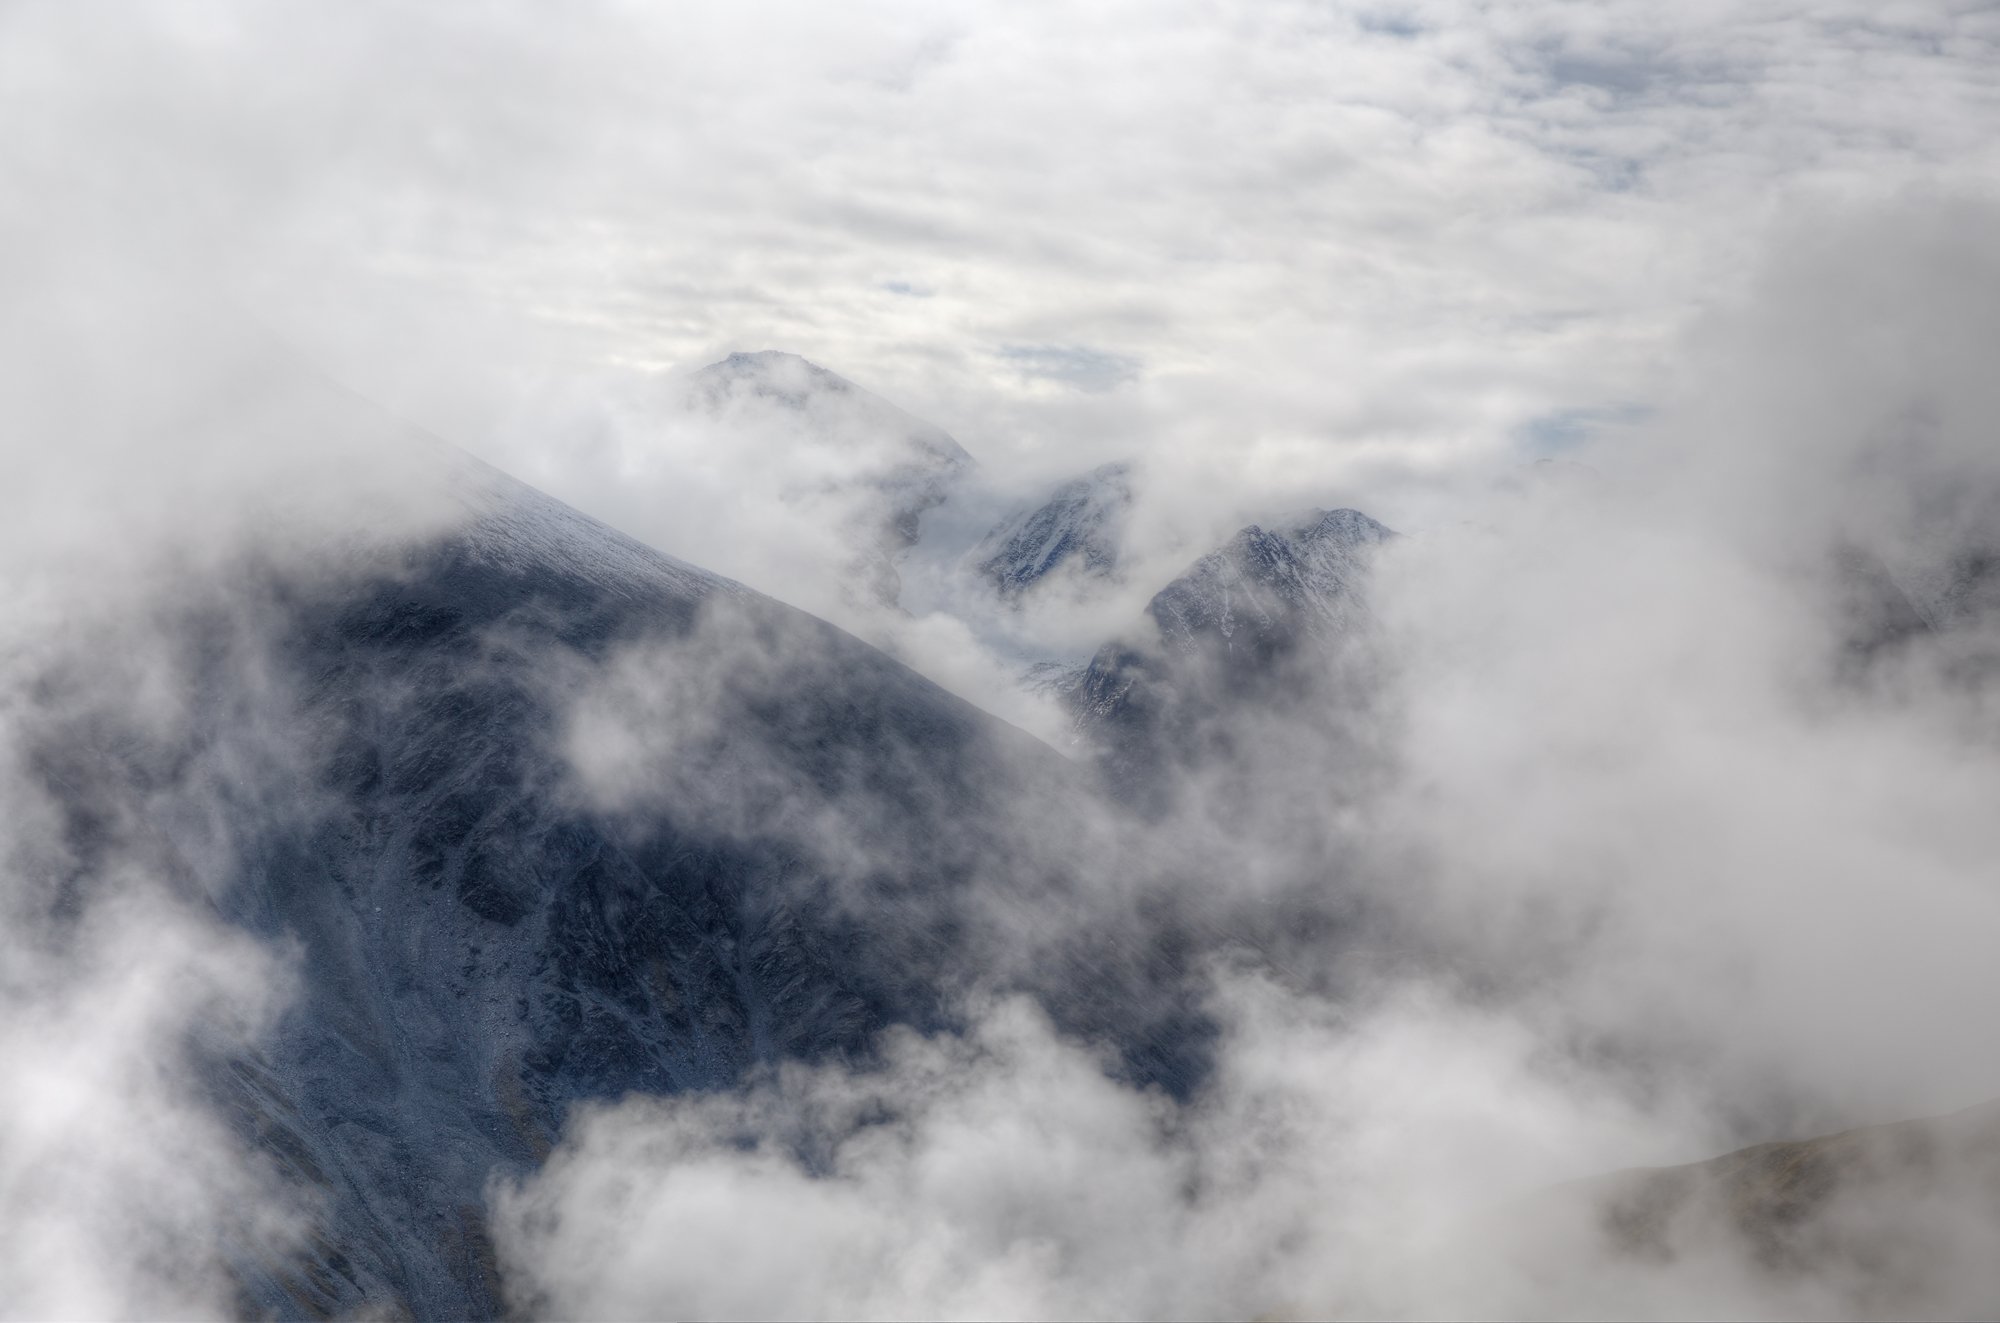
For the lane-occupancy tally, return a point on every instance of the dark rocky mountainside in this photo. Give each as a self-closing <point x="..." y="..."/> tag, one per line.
<point x="1265" y="619"/>
<point x="812" y="844"/>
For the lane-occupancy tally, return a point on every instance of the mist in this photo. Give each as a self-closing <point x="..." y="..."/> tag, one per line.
<point x="1653" y="859"/>
<point x="1640" y="812"/>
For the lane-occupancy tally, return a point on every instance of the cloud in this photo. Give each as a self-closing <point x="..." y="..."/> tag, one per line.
<point x="1078" y="366"/>
<point x="1003" y="1175"/>
<point x="168" y="459"/>
<point x="122" y="1193"/>
<point x="124" y="1188"/>
<point x="1360" y="251"/>
<point x="1623" y="860"/>
<point x="1319" y="228"/>
<point x="1641" y="866"/>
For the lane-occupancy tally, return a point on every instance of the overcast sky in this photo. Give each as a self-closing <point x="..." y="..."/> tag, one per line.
<point x="1330" y="240"/>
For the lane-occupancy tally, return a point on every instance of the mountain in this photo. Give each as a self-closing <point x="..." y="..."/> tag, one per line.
<point x="1258" y="621"/>
<point x="1261" y="592"/>
<point x="1075" y="529"/>
<point x="1939" y="595"/>
<point x="563" y="818"/>
<point x="1870" y="1222"/>
<point x="843" y="451"/>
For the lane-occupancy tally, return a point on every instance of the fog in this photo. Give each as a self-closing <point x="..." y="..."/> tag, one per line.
<point x="1649" y="817"/>
<point x="1661" y="869"/>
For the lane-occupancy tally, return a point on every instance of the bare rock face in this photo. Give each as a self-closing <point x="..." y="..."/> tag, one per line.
<point x="1263" y="620"/>
<point x="483" y="945"/>
<point x="1264" y="590"/>
<point x="1076" y="530"/>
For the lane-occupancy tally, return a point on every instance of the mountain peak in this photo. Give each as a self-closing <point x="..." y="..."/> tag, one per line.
<point x="865" y="469"/>
<point x="836" y="410"/>
<point x="1302" y="574"/>
<point x="772" y="374"/>
<point x="1077" y="524"/>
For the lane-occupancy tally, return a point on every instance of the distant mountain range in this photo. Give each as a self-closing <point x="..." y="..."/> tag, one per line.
<point x="787" y="841"/>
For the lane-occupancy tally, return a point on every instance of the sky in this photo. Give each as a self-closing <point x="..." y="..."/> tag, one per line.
<point x="1275" y="246"/>
<point x="1738" y="259"/>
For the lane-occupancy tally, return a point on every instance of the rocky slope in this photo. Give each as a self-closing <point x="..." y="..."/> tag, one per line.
<point x="1264" y="590"/>
<point x="798" y="843"/>
<point x="1076" y="530"/>
<point x="1261" y="619"/>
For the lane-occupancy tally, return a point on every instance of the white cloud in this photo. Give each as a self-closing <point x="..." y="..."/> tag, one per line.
<point x="1649" y="868"/>
<point x="1004" y="1176"/>
<point x="1305" y="228"/>
<point x="1290" y="250"/>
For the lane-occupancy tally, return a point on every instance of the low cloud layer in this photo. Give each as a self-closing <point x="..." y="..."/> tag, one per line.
<point x="1002" y="1175"/>
<point x="1661" y="852"/>
<point x="169" y="461"/>
<point x="1663" y="828"/>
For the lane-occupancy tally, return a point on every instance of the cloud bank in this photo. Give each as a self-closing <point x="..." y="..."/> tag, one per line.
<point x="1665" y="846"/>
